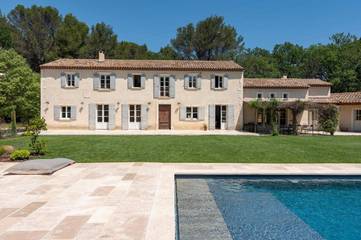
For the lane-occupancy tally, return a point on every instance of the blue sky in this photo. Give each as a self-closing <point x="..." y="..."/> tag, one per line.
<point x="263" y="23"/>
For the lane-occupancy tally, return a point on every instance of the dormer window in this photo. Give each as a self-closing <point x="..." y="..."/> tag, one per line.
<point x="104" y="81"/>
<point x="70" y="80"/>
<point x="218" y="82"/>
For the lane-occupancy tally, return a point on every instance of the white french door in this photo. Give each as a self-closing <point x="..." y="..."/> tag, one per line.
<point x="221" y="117"/>
<point x="102" y="122"/>
<point x="134" y="117"/>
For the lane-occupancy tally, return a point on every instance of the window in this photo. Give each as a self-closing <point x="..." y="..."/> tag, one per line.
<point x="134" y="113"/>
<point x="65" y="112"/>
<point x="137" y="81"/>
<point x="164" y="86"/>
<point x="192" y="82"/>
<point x="259" y="116"/>
<point x="224" y="114"/>
<point x="272" y="95"/>
<point x="192" y="113"/>
<point x="103" y="113"/>
<point x="70" y="80"/>
<point x="218" y="81"/>
<point x="259" y="95"/>
<point x="285" y="96"/>
<point x="358" y="115"/>
<point x="105" y="81"/>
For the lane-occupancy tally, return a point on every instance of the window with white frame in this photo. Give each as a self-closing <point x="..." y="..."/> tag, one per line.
<point x="134" y="113"/>
<point x="218" y="81"/>
<point x="65" y="112"/>
<point x="164" y="86"/>
<point x="105" y="81"/>
<point x="259" y="95"/>
<point x="192" y="113"/>
<point x="285" y="96"/>
<point x="192" y="83"/>
<point x="272" y="95"/>
<point x="358" y="115"/>
<point x="137" y="81"/>
<point x="70" y="80"/>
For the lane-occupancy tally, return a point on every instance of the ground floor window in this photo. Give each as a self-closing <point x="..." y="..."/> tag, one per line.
<point x="259" y="116"/>
<point x="283" y="117"/>
<point x="134" y="113"/>
<point x="65" y="112"/>
<point x="358" y="115"/>
<point x="103" y="113"/>
<point x="192" y="113"/>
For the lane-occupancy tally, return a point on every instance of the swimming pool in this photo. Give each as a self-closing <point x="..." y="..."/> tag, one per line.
<point x="268" y="207"/>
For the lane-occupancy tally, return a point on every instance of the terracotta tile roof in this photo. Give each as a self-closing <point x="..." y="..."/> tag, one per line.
<point x="346" y="98"/>
<point x="283" y="83"/>
<point x="113" y="64"/>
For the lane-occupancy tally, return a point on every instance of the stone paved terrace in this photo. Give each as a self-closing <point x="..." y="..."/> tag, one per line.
<point x="117" y="201"/>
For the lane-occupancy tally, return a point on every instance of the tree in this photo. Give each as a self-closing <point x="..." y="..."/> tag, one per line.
<point x="5" y="33"/>
<point x="101" y="38"/>
<point x="35" y="30"/>
<point x="129" y="50"/>
<point x="211" y="39"/>
<point x="297" y="107"/>
<point x="340" y="39"/>
<point x="19" y="87"/>
<point x="289" y="58"/>
<point x="328" y="118"/>
<point x="167" y="53"/>
<point x="71" y="37"/>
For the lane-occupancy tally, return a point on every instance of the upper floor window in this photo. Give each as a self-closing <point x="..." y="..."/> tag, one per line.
<point x="218" y="81"/>
<point x="285" y="96"/>
<point x="137" y="81"/>
<point x="192" y="113"/>
<point x="164" y="86"/>
<point x="70" y="80"/>
<point x="104" y="81"/>
<point x="272" y="95"/>
<point x="259" y="95"/>
<point x="192" y="83"/>
<point x="65" y="112"/>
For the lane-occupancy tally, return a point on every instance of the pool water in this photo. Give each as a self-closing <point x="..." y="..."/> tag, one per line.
<point x="269" y="207"/>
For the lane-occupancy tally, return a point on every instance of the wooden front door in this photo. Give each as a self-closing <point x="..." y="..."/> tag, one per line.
<point x="164" y="116"/>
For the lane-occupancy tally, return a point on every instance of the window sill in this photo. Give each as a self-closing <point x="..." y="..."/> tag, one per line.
<point x="69" y="87"/>
<point x="219" y="89"/>
<point x="193" y="120"/>
<point x="136" y="88"/>
<point x="163" y="97"/>
<point x="104" y="90"/>
<point x="65" y="120"/>
<point x="192" y="89"/>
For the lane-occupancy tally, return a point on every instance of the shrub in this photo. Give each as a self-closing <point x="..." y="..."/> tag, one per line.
<point x="20" y="155"/>
<point x="8" y="149"/>
<point x="2" y="150"/>
<point x="33" y="130"/>
<point x="329" y="119"/>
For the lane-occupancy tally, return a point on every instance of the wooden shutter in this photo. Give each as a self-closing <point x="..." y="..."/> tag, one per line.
<point x="186" y="81"/>
<point x="156" y="86"/>
<point x="77" y="80"/>
<point x="124" y="117"/>
<point x="142" y="81"/>
<point x="201" y="113"/>
<point x="57" y="113"/>
<point x="73" y="112"/>
<point x="182" y="113"/>
<point x="225" y="81"/>
<point x="199" y="82"/>
<point x="211" y="117"/>
<point x="96" y="81"/>
<point x="230" y="117"/>
<point x="92" y="116"/>
<point x="213" y="82"/>
<point x="130" y="81"/>
<point x="172" y="86"/>
<point x="144" y="117"/>
<point x="112" y="81"/>
<point x="63" y="80"/>
<point x="111" y="124"/>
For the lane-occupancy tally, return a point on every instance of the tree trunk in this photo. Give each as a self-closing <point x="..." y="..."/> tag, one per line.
<point x="13" y="122"/>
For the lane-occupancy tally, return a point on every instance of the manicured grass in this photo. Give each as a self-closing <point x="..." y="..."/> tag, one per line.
<point x="222" y="149"/>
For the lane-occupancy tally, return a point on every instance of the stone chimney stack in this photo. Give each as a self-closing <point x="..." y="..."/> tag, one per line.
<point x="101" y="56"/>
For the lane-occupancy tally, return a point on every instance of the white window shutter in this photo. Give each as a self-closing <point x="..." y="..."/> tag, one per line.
<point x="144" y="117"/>
<point x="63" y="80"/>
<point x="142" y="81"/>
<point x="199" y="82"/>
<point x="111" y="124"/>
<point x="92" y="116"/>
<point x="186" y="81"/>
<point x="57" y="113"/>
<point x="172" y="86"/>
<point x="225" y="81"/>
<point x="156" y="86"/>
<point x="230" y="117"/>
<point x="112" y="81"/>
<point x="182" y="113"/>
<point x="211" y="116"/>
<point x="124" y="117"/>
<point x="73" y="112"/>
<point x="96" y="81"/>
<point x="130" y="81"/>
<point x="77" y="80"/>
<point x="213" y="82"/>
<point x="201" y="113"/>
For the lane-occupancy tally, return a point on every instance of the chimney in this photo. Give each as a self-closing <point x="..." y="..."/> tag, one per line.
<point x="101" y="56"/>
<point x="284" y="77"/>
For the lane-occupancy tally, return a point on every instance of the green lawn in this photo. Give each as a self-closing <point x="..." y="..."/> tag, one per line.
<point x="242" y="149"/>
